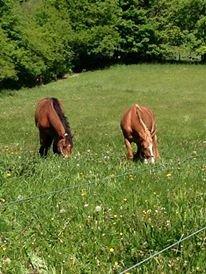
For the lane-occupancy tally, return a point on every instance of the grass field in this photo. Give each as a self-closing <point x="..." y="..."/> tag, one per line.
<point x="97" y="212"/>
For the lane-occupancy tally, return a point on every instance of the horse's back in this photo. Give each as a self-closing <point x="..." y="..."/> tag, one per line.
<point x="130" y="121"/>
<point x="130" y="117"/>
<point x="49" y="116"/>
<point x="126" y="118"/>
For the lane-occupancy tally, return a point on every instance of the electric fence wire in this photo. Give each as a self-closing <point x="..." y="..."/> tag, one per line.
<point x="21" y="199"/>
<point x="161" y="251"/>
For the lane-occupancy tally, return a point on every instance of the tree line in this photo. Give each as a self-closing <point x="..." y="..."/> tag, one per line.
<point x="41" y="40"/>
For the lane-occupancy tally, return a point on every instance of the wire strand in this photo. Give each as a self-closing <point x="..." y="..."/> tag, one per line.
<point x="103" y="181"/>
<point x="161" y="251"/>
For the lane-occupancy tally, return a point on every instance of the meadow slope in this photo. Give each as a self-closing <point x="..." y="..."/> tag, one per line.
<point x="98" y="212"/>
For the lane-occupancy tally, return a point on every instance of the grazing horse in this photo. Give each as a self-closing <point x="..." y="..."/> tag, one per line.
<point x="138" y="125"/>
<point x="53" y="127"/>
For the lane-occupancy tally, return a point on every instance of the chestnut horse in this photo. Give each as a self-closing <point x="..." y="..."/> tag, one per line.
<point x="53" y="127"/>
<point x="138" y="125"/>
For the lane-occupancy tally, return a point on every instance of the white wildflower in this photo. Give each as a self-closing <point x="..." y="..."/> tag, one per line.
<point x="98" y="208"/>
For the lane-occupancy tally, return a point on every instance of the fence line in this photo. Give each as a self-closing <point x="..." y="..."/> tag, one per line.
<point x="95" y="181"/>
<point x="161" y="251"/>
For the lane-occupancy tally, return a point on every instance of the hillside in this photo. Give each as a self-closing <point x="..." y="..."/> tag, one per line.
<point x="98" y="212"/>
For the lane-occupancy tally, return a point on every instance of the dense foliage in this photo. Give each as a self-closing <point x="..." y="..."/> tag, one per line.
<point x="40" y="40"/>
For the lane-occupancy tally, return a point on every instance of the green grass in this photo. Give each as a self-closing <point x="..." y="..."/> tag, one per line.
<point x="98" y="212"/>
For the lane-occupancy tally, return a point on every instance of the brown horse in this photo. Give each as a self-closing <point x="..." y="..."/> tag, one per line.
<point x="138" y="125"/>
<point x="53" y="127"/>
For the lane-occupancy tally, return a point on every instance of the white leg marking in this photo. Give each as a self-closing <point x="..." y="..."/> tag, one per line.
<point x="145" y="161"/>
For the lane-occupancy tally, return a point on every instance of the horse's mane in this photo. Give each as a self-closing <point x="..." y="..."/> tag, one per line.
<point x="145" y="128"/>
<point x="62" y="117"/>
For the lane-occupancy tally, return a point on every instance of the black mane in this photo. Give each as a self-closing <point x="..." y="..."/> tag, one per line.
<point x="63" y="118"/>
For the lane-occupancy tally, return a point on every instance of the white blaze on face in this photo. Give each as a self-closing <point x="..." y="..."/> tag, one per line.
<point x="151" y="160"/>
<point x="61" y="151"/>
<point x="150" y="148"/>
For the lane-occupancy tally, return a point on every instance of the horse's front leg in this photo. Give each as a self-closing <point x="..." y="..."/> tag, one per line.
<point x="137" y="155"/>
<point x="55" y="148"/>
<point x="42" y="151"/>
<point x="129" y="149"/>
<point x="45" y="143"/>
<point x="155" y="148"/>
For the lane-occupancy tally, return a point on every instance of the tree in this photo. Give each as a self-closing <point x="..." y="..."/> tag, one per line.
<point x="7" y="68"/>
<point x="96" y="37"/>
<point x="139" y="33"/>
<point x="40" y="36"/>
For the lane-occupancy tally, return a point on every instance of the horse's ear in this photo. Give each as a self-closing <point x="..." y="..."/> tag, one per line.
<point x="138" y="112"/>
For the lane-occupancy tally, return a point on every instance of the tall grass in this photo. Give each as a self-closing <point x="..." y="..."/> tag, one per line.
<point x="98" y="212"/>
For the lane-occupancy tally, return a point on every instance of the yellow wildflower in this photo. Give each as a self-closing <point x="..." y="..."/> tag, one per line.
<point x="8" y="174"/>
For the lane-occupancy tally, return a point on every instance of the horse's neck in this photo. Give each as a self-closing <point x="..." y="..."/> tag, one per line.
<point x="142" y="130"/>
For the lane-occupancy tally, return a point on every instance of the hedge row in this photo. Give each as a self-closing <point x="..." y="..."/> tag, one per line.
<point x="41" y="40"/>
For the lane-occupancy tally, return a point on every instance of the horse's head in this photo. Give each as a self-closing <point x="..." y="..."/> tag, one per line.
<point x="65" y="146"/>
<point x="146" y="153"/>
